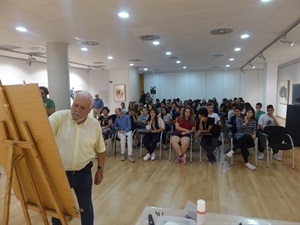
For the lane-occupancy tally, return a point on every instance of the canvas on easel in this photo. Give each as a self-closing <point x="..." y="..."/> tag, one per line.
<point x="29" y="155"/>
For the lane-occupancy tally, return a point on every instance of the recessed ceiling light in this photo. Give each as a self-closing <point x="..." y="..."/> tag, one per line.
<point x="110" y="57"/>
<point x="168" y="53"/>
<point x="123" y="15"/>
<point x="265" y="0"/>
<point x="21" y="29"/>
<point x="145" y="69"/>
<point x="244" y="36"/>
<point x="155" y="42"/>
<point x="84" y="49"/>
<point x="237" y="49"/>
<point x="231" y="59"/>
<point x="131" y="64"/>
<point x="227" y="65"/>
<point x="178" y="61"/>
<point x="184" y="67"/>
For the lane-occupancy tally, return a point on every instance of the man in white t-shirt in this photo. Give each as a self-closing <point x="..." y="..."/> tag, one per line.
<point x="212" y="114"/>
<point x="264" y="120"/>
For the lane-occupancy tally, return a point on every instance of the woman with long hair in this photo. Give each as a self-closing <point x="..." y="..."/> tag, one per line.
<point x="168" y="120"/>
<point x="105" y="122"/>
<point x="155" y="125"/>
<point x="246" y="134"/>
<point x="184" y="127"/>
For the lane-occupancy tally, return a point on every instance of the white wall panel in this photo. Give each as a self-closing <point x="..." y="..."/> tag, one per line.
<point x="249" y="83"/>
<point x="215" y="85"/>
<point x="231" y="84"/>
<point x="198" y="85"/>
<point x="182" y="86"/>
<point x="166" y="86"/>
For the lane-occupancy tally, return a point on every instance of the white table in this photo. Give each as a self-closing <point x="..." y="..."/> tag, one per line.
<point x="210" y="218"/>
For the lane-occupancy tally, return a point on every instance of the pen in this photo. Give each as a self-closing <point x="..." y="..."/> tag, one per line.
<point x="150" y="220"/>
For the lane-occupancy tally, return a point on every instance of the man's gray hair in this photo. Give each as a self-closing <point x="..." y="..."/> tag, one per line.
<point x="86" y="94"/>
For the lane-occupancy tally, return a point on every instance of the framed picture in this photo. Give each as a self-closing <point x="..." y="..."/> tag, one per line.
<point x="283" y="91"/>
<point x="119" y="93"/>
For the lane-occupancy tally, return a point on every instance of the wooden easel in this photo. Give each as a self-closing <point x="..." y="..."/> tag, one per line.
<point x="22" y="154"/>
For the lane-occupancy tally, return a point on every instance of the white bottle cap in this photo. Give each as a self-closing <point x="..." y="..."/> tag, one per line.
<point x="201" y="206"/>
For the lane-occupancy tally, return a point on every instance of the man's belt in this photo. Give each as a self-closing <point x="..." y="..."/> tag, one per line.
<point x="84" y="169"/>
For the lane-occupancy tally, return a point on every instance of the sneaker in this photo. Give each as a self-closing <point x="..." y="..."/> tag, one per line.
<point x="276" y="157"/>
<point x="131" y="159"/>
<point x="178" y="160"/>
<point x="147" y="157"/>
<point x="261" y="156"/>
<point x="230" y="153"/>
<point x="153" y="156"/>
<point x="165" y="147"/>
<point x="183" y="159"/>
<point x="123" y="157"/>
<point x="250" y="167"/>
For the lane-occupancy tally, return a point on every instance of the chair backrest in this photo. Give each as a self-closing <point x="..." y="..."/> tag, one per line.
<point x="276" y="134"/>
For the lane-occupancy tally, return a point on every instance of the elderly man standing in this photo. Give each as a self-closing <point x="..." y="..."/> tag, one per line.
<point x="97" y="106"/>
<point x="79" y="138"/>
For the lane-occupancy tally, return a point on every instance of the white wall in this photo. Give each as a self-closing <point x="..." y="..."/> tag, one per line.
<point x="289" y="71"/>
<point x="198" y="85"/>
<point x="15" y="71"/>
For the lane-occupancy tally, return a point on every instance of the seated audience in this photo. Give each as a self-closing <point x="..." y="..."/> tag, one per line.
<point x="212" y="114"/>
<point x="207" y="126"/>
<point x="122" y="126"/>
<point x="245" y="136"/>
<point x="142" y="119"/>
<point x="48" y="103"/>
<point x="168" y="120"/>
<point x="184" y="127"/>
<point x="258" y="111"/>
<point x="267" y="119"/>
<point x="156" y="125"/>
<point x="105" y="122"/>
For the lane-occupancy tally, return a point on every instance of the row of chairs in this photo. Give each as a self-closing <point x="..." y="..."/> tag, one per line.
<point x="274" y="137"/>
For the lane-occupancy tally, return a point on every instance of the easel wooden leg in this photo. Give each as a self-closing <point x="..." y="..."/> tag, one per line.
<point x="8" y="187"/>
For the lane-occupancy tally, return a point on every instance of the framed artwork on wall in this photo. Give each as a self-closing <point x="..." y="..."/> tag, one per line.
<point x="119" y="93"/>
<point x="283" y="91"/>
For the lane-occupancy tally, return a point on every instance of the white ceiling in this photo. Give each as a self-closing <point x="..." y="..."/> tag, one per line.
<point x="183" y="26"/>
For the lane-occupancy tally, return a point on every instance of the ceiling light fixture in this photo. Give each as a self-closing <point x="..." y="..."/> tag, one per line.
<point x="84" y="49"/>
<point x="252" y="66"/>
<point x="286" y="41"/>
<point x="123" y="15"/>
<point x="168" y="53"/>
<point x="131" y="64"/>
<point x="231" y="59"/>
<point x="237" y="49"/>
<point x="184" y="67"/>
<point x="244" y="36"/>
<point x="110" y="57"/>
<point x="227" y="65"/>
<point x="155" y="43"/>
<point x="21" y="29"/>
<point x="262" y="57"/>
<point x="145" y="69"/>
<point x="178" y="61"/>
<point x="30" y="60"/>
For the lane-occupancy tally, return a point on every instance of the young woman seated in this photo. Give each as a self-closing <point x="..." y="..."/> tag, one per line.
<point x="168" y="120"/>
<point x="105" y="122"/>
<point x="184" y="127"/>
<point x="246" y="134"/>
<point x="155" y="125"/>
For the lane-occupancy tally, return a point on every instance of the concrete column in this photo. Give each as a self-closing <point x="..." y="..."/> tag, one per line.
<point x="270" y="84"/>
<point x="58" y="74"/>
<point x="133" y="92"/>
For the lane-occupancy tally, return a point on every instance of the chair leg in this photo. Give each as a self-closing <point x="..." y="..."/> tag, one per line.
<point x="200" y="153"/>
<point x="170" y="149"/>
<point x="191" y="151"/>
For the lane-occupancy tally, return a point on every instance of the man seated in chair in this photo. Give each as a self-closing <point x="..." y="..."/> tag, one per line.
<point x="264" y="120"/>
<point x="210" y="132"/>
<point x="122" y="125"/>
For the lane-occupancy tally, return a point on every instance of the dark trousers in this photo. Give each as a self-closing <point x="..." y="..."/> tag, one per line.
<point x="209" y="143"/>
<point x="150" y="141"/>
<point x="81" y="182"/>
<point x="243" y="143"/>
